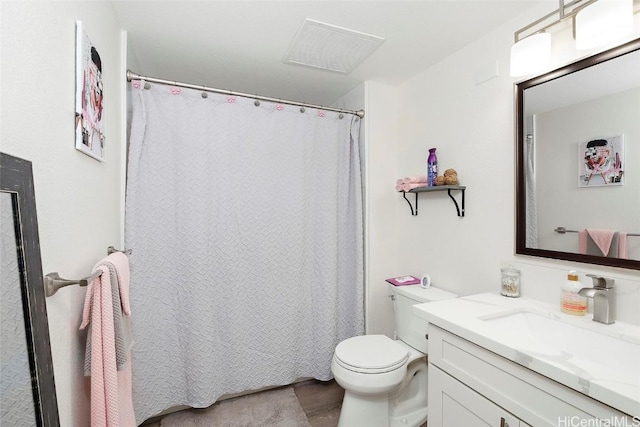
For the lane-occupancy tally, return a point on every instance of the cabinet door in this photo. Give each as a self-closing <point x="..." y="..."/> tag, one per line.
<point x="452" y="404"/>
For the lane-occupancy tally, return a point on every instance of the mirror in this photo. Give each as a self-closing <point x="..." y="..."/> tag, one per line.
<point x="578" y="161"/>
<point x="28" y="393"/>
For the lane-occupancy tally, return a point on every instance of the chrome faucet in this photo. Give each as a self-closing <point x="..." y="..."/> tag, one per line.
<point x="604" y="299"/>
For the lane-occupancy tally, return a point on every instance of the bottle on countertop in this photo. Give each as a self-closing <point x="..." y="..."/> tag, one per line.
<point x="432" y="168"/>
<point x="572" y="302"/>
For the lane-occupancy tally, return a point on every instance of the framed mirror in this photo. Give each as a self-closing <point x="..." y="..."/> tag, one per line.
<point x="28" y="392"/>
<point x="578" y="161"/>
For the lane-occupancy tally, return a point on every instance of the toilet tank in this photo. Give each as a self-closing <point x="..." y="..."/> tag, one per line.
<point x="410" y="328"/>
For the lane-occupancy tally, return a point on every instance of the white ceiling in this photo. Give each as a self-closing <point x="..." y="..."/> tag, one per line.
<point x="239" y="45"/>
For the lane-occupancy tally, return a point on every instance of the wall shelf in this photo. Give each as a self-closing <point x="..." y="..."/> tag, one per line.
<point x="448" y="188"/>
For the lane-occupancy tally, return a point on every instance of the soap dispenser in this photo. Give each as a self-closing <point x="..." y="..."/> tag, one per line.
<point x="572" y="302"/>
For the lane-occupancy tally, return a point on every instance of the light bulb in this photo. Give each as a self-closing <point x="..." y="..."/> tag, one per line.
<point x="531" y="55"/>
<point x="603" y="22"/>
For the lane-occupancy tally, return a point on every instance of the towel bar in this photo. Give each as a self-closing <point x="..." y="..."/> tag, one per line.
<point x="111" y="250"/>
<point x="53" y="281"/>
<point x="562" y="230"/>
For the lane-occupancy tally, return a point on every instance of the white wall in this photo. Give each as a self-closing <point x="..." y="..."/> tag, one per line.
<point x="382" y="123"/>
<point x="458" y="107"/>
<point x="78" y="198"/>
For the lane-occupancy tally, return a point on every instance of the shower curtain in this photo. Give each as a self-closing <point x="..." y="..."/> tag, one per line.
<point x="530" y="183"/>
<point x="245" y="224"/>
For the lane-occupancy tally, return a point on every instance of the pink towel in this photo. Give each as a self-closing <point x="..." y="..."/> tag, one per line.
<point x="582" y="241"/>
<point x="111" y="400"/>
<point x="411" y="182"/>
<point x="414" y="179"/>
<point x="602" y="238"/>
<point x="411" y="185"/>
<point x="623" y="248"/>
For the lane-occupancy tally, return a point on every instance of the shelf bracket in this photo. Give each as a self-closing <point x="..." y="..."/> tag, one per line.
<point x="413" y="212"/>
<point x="414" y="206"/>
<point x="460" y="212"/>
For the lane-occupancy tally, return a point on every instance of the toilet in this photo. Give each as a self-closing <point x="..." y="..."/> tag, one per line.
<point x="385" y="380"/>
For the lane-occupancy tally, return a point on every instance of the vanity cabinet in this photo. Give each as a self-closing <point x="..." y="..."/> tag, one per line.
<point x="470" y="385"/>
<point x="452" y="404"/>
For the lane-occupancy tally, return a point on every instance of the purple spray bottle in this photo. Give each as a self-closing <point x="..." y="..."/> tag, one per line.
<point x="432" y="168"/>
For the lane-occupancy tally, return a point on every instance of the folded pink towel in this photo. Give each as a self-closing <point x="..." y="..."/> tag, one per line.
<point x="623" y="247"/>
<point x="414" y="179"/>
<point x="411" y="182"/>
<point x="602" y="238"/>
<point x="411" y="185"/>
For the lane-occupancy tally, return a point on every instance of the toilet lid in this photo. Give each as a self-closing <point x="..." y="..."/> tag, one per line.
<point x="371" y="354"/>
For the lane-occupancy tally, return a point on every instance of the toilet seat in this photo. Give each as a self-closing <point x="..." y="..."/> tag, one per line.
<point x="371" y="354"/>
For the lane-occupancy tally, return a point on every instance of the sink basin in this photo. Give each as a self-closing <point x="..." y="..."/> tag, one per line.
<point x="588" y="353"/>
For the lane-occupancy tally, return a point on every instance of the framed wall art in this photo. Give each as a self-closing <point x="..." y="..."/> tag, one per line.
<point x="89" y="123"/>
<point x="601" y="162"/>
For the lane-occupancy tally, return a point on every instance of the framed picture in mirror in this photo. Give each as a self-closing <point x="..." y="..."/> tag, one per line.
<point x="601" y="162"/>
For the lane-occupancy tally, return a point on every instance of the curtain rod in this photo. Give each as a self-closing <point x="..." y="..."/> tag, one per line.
<point x="134" y="76"/>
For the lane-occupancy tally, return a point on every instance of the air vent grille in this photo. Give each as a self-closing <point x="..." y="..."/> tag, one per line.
<point x="329" y="47"/>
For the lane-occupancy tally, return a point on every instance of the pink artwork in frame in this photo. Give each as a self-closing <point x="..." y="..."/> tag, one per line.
<point x="89" y="123"/>
<point x="601" y="162"/>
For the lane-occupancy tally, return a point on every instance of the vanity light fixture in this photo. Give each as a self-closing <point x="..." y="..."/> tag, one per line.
<point x="595" y="22"/>
<point x="531" y="54"/>
<point x="602" y="22"/>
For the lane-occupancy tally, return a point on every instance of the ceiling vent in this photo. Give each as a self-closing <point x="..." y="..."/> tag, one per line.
<point x="329" y="47"/>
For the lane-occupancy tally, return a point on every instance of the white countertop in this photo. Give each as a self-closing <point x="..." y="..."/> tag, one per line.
<point x="604" y="380"/>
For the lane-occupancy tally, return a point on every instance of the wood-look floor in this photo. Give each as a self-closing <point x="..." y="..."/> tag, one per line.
<point x="320" y="400"/>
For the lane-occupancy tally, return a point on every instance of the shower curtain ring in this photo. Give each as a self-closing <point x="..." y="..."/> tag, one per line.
<point x="256" y="102"/>
<point x="302" y="109"/>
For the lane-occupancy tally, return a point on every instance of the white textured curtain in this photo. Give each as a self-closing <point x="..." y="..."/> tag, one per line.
<point x="245" y="223"/>
<point x="532" y="200"/>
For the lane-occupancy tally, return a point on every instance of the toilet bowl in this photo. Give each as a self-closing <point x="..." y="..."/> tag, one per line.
<point x="385" y="380"/>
